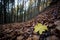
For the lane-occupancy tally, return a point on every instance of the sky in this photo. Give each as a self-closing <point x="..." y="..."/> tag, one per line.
<point x="0" y="0"/>
<point x="20" y="2"/>
<point x="26" y="3"/>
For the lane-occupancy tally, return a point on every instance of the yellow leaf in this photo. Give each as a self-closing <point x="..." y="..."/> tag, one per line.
<point x="39" y="27"/>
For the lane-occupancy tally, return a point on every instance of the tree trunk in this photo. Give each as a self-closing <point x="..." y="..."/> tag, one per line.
<point x="4" y="1"/>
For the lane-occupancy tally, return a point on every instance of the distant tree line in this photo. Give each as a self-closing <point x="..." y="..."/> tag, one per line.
<point x="10" y="12"/>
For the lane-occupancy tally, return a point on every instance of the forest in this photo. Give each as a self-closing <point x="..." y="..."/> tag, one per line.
<point x="21" y="10"/>
<point x="29" y="19"/>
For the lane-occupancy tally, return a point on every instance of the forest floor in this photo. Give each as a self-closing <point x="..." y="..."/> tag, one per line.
<point x="25" y="31"/>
